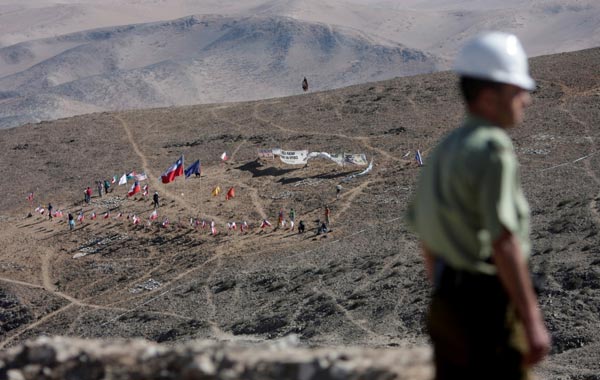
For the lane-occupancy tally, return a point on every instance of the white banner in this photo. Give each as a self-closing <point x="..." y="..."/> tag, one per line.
<point x="265" y="154"/>
<point x="355" y="159"/>
<point x="294" y="157"/>
<point x="338" y="158"/>
<point x="366" y="171"/>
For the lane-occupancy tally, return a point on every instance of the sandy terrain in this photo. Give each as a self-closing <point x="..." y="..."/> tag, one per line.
<point x="361" y="284"/>
<point x="56" y="63"/>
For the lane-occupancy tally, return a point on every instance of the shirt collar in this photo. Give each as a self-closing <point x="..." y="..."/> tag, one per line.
<point x="472" y="120"/>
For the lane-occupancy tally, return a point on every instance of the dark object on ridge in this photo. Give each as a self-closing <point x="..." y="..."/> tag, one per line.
<point x="301" y="227"/>
<point x="305" y="85"/>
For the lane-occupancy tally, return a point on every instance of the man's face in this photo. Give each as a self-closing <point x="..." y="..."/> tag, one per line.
<point x="510" y="103"/>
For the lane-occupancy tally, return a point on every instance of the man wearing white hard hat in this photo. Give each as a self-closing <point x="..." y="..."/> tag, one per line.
<point x="473" y="222"/>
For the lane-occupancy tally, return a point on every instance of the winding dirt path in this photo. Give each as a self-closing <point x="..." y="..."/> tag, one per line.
<point x="151" y="177"/>
<point x="363" y="140"/>
<point x="568" y="94"/>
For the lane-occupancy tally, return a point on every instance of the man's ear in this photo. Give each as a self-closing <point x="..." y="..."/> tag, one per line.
<point x="486" y="101"/>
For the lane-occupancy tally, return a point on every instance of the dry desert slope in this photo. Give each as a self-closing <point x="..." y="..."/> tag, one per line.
<point x="360" y="284"/>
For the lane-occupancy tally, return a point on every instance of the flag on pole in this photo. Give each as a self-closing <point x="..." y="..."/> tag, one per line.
<point x="224" y="156"/>
<point x="123" y="179"/>
<point x="30" y="197"/>
<point x="106" y="215"/>
<point x="193" y="169"/>
<point x="131" y="175"/>
<point x="113" y="179"/>
<point x="80" y="217"/>
<point x="141" y="177"/>
<point x="165" y="222"/>
<point x="135" y="188"/>
<point x="265" y="223"/>
<point x="230" y="194"/>
<point x="216" y="191"/>
<point x="58" y="214"/>
<point x="93" y="216"/>
<point x="145" y="190"/>
<point x="135" y="219"/>
<point x="418" y="158"/>
<point x="153" y="215"/>
<point x="173" y="171"/>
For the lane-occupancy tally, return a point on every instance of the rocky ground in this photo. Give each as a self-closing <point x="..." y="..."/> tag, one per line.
<point x="362" y="284"/>
<point x="67" y="358"/>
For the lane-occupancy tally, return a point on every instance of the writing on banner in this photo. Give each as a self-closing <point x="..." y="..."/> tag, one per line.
<point x="294" y="157"/>
<point x="266" y="154"/>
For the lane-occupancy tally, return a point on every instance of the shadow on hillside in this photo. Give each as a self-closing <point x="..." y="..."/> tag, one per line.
<point x="285" y="181"/>
<point x="253" y="167"/>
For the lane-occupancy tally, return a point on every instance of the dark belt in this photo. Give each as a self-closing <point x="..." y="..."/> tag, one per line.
<point x="455" y="282"/>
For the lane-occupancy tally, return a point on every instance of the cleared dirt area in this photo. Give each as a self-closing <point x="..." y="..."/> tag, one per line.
<point x="360" y="284"/>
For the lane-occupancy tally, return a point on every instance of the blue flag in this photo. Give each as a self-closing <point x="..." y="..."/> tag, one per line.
<point x="418" y="158"/>
<point x="193" y="169"/>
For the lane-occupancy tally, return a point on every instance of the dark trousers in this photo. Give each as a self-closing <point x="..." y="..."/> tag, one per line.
<point x="474" y="329"/>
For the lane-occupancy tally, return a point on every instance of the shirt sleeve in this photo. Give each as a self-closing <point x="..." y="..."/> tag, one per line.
<point x="499" y="182"/>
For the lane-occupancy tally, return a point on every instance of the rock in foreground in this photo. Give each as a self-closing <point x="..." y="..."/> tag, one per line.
<point x="67" y="358"/>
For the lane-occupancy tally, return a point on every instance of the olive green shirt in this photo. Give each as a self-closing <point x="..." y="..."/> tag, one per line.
<point x="467" y="193"/>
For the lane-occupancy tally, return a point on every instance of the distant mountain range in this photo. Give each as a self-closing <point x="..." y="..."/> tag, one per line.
<point x="196" y="59"/>
<point x="64" y="58"/>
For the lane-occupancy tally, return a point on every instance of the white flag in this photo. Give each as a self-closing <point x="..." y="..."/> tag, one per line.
<point x="123" y="179"/>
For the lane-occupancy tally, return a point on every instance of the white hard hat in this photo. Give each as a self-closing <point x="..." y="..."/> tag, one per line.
<point x="495" y="56"/>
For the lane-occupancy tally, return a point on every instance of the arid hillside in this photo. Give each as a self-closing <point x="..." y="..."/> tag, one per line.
<point x="362" y="283"/>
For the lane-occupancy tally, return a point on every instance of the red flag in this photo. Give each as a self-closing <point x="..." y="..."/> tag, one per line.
<point x="93" y="216"/>
<point x="174" y="171"/>
<point x="230" y="194"/>
<point x="145" y="191"/>
<point x="154" y="215"/>
<point x="224" y="156"/>
<point x="30" y="197"/>
<point x="135" y="188"/>
<point x="106" y="215"/>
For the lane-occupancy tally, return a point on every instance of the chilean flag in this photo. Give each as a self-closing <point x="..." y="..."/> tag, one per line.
<point x="174" y="171"/>
<point x="230" y="194"/>
<point x="135" y="188"/>
<point x="224" y="156"/>
<point x="154" y="215"/>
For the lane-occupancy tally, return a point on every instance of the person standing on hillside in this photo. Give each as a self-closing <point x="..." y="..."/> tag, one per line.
<point x="473" y="222"/>
<point x="280" y="219"/>
<point x="327" y="215"/>
<point x="155" y="199"/>
<point x="50" y="211"/>
<point x="292" y="218"/>
<point x="106" y="186"/>
<point x="99" y="186"/>
<point x="71" y="221"/>
<point x="88" y="195"/>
